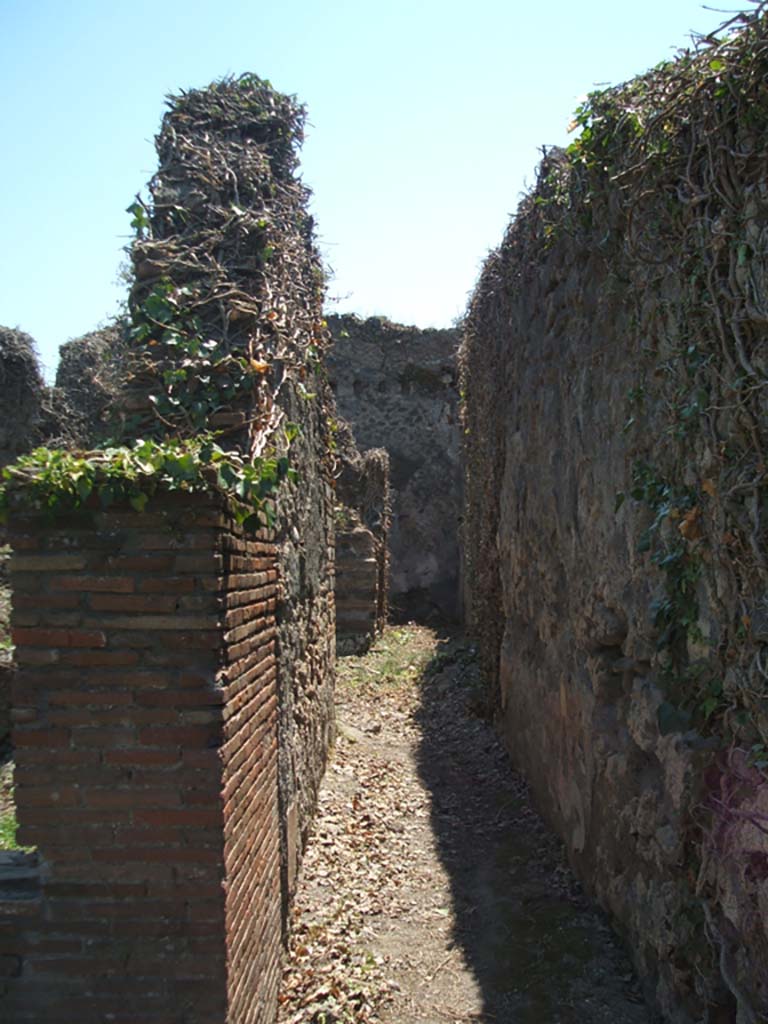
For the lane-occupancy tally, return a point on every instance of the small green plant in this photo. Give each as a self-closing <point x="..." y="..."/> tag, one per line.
<point x="343" y="517"/>
<point x="670" y="539"/>
<point x="54" y="481"/>
<point x="8" y="826"/>
<point x="194" y="376"/>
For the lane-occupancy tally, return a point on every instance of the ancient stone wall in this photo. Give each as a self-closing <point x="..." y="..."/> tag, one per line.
<point x="76" y="411"/>
<point x="397" y="388"/>
<point x="360" y="589"/>
<point x="615" y="369"/>
<point x="251" y="367"/>
<point x="89" y="379"/>
<point x="306" y="621"/>
<point x="23" y="424"/>
<point x="24" y="411"/>
<point x="5" y="645"/>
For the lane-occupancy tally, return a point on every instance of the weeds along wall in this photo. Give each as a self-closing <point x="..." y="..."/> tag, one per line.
<point x="224" y="401"/>
<point x="615" y="373"/>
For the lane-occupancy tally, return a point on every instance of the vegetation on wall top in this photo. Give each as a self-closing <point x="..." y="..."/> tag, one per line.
<point x="666" y="185"/>
<point x="224" y="311"/>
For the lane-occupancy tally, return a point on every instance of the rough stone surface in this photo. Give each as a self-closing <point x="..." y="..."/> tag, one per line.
<point x="88" y="381"/>
<point x="397" y="388"/>
<point x="663" y="809"/>
<point x="5" y="639"/>
<point x="359" y="588"/>
<point x="5" y="698"/>
<point x="24" y="414"/>
<point x="71" y="414"/>
<point x="305" y="622"/>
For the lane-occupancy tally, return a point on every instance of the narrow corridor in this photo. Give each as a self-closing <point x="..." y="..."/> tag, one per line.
<point x="431" y="891"/>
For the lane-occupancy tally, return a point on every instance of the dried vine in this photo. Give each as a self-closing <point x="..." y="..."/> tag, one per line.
<point x="663" y="193"/>
<point x="224" y="314"/>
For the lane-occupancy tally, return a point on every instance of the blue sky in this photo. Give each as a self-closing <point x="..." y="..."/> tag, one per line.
<point x="426" y="122"/>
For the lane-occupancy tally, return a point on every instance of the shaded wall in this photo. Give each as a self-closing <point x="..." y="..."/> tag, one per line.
<point x="363" y="517"/>
<point x="614" y="527"/>
<point x="396" y="386"/>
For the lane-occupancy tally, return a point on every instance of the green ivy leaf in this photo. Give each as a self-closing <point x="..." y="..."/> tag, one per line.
<point x="139" y="501"/>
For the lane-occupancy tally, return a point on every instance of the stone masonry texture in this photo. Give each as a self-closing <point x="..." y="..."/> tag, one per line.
<point x="396" y="386"/>
<point x="614" y="580"/>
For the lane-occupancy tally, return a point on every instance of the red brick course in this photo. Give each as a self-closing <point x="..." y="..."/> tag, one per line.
<point x="146" y="739"/>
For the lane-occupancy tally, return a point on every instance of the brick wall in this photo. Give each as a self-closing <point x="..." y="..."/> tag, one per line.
<point x="363" y="517"/>
<point x="360" y="588"/>
<point x="145" y="728"/>
<point x="252" y="855"/>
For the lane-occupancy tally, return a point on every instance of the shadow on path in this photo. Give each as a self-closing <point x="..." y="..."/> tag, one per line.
<point x="541" y="953"/>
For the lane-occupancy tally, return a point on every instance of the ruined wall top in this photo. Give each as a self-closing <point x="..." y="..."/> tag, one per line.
<point x="615" y="368"/>
<point x="24" y="412"/>
<point x="228" y="287"/>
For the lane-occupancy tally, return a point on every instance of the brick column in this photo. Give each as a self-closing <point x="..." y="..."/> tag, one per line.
<point x="143" y="710"/>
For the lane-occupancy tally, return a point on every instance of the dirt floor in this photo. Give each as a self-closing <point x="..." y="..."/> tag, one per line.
<point x="431" y="891"/>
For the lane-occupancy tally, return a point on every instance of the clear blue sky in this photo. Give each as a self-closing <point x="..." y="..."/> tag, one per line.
<point x="426" y="118"/>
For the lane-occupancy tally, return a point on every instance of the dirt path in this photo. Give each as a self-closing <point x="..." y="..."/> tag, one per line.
<point x="430" y="891"/>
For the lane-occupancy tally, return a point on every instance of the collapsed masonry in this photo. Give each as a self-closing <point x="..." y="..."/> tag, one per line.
<point x="78" y="411"/>
<point x="172" y="702"/>
<point x="615" y="364"/>
<point x="396" y="386"/>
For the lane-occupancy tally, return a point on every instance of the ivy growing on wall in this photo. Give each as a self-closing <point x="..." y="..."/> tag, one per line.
<point x="671" y="165"/>
<point x="221" y="240"/>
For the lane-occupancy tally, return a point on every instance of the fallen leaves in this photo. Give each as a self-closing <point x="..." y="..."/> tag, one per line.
<point x="358" y="863"/>
<point x="424" y="844"/>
